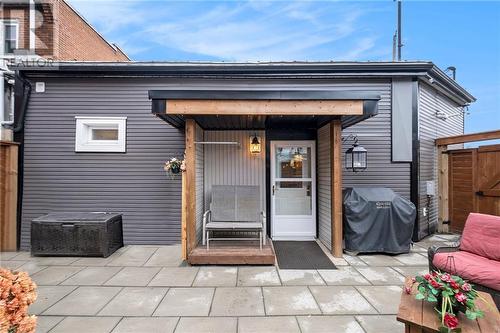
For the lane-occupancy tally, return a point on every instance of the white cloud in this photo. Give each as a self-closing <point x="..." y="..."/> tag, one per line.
<point x="250" y="30"/>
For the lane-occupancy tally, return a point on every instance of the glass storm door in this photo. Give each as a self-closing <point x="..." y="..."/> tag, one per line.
<point x="293" y="190"/>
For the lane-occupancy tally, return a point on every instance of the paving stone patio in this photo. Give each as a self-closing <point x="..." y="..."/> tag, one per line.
<point x="149" y="289"/>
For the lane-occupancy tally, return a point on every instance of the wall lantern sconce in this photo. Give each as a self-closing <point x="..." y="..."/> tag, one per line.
<point x="255" y="146"/>
<point x="356" y="157"/>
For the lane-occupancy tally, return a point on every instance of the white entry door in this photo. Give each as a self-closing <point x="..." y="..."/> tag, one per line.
<point x="293" y="190"/>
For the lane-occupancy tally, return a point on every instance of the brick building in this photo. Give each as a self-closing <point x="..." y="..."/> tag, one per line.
<point x="44" y="31"/>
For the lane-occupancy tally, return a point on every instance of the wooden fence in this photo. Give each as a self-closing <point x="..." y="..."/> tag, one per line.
<point x="8" y="195"/>
<point x="469" y="180"/>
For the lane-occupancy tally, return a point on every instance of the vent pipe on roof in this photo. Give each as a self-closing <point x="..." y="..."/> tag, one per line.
<point x="451" y="71"/>
<point x="397" y="44"/>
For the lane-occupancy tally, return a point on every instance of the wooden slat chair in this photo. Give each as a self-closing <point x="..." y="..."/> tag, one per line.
<point x="234" y="208"/>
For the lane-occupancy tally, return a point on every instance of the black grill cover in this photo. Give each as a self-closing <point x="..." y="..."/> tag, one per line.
<point x="377" y="220"/>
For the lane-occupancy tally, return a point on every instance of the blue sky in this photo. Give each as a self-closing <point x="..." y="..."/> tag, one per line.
<point x="464" y="34"/>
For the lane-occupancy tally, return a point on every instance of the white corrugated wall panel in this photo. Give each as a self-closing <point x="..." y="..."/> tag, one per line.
<point x="430" y="127"/>
<point x="324" y="187"/>
<point x="233" y="165"/>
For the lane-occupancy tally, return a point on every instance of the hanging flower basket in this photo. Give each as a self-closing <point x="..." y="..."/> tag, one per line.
<point x="174" y="166"/>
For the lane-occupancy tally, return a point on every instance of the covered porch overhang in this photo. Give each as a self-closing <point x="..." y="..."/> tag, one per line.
<point x="197" y="111"/>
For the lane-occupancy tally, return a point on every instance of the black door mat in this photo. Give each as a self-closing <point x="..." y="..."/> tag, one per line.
<point x="301" y="255"/>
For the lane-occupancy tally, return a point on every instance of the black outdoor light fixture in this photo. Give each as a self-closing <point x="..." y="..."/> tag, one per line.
<point x="356" y="157"/>
<point x="255" y="144"/>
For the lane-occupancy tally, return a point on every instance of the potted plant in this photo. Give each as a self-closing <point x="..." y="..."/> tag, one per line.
<point x="17" y="292"/>
<point x="452" y="295"/>
<point x="174" y="166"/>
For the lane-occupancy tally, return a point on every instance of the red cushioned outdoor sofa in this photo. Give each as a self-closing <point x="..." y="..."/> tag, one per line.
<point x="477" y="256"/>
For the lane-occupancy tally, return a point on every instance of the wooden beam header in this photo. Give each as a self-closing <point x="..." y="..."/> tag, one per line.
<point x="464" y="138"/>
<point x="264" y="107"/>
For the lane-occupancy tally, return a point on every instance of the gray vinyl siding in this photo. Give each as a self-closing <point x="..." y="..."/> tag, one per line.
<point x="234" y="165"/>
<point x="132" y="183"/>
<point x="375" y="135"/>
<point x="200" y="167"/>
<point x="430" y="128"/>
<point x="324" y="187"/>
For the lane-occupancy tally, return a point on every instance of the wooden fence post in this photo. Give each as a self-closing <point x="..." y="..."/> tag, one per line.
<point x="8" y="195"/>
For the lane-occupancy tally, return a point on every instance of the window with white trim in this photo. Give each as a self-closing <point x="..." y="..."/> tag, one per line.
<point x="101" y="134"/>
<point x="11" y="36"/>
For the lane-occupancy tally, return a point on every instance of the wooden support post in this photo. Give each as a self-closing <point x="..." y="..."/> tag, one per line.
<point x="183" y="218"/>
<point x="8" y="195"/>
<point x="190" y="185"/>
<point x="443" y="197"/>
<point x="336" y="186"/>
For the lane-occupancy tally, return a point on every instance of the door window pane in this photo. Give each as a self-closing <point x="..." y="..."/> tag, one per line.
<point x="293" y="198"/>
<point x="293" y="162"/>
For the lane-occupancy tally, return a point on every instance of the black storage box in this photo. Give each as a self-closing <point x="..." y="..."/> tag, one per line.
<point x="76" y="234"/>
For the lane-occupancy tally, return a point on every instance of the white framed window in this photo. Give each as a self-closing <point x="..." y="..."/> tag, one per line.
<point x="101" y="134"/>
<point x="10" y="36"/>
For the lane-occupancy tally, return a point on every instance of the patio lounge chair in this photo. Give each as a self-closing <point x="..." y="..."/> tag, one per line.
<point x="234" y="208"/>
<point x="476" y="258"/>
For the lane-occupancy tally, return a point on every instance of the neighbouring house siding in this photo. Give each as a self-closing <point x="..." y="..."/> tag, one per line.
<point x="430" y="128"/>
<point x="200" y="167"/>
<point x="233" y="165"/>
<point x="133" y="183"/>
<point x="324" y="187"/>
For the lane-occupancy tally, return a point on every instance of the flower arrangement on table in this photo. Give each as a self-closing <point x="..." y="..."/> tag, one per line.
<point x="452" y="295"/>
<point x="17" y="292"/>
<point x="174" y="166"/>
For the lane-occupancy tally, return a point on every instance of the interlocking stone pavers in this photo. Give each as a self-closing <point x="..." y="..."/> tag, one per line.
<point x="207" y="325"/>
<point x="91" y="276"/>
<point x="133" y="276"/>
<point x="413" y="259"/>
<point x="343" y="276"/>
<point x="54" y="275"/>
<point x="341" y="300"/>
<point x="300" y="277"/>
<point x="45" y="323"/>
<point x="238" y="301"/>
<point x="329" y="324"/>
<point x="175" y="277"/>
<point x="84" y="301"/>
<point x="86" y="324"/>
<point x="212" y="276"/>
<point x="381" y="275"/>
<point x="384" y="298"/>
<point x="258" y="276"/>
<point x="411" y="271"/>
<point x="186" y="302"/>
<point x="268" y="324"/>
<point x="282" y="301"/>
<point x="48" y="296"/>
<point x="380" y="323"/>
<point x="146" y="324"/>
<point x="380" y="260"/>
<point x="134" y="301"/>
<point x="169" y="256"/>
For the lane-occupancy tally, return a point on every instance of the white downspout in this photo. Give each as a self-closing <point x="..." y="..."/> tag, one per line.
<point x="32" y="27"/>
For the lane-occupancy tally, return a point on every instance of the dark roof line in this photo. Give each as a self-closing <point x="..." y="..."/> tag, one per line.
<point x="423" y="69"/>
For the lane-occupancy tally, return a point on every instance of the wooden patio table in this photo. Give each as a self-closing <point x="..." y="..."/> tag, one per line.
<point x="419" y="316"/>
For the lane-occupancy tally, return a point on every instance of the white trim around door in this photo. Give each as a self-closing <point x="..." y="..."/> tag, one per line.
<point x="293" y="190"/>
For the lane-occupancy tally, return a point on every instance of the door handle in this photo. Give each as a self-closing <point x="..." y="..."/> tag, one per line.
<point x="273" y="189"/>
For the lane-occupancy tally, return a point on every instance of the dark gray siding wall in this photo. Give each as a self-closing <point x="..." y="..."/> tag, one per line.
<point x="430" y="128"/>
<point x="133" y="183"/>
<point x="375" y="135"/>
<point x="58" y="179"/>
